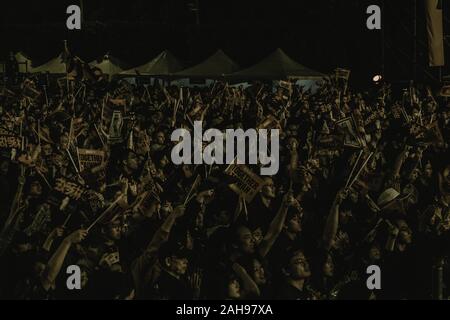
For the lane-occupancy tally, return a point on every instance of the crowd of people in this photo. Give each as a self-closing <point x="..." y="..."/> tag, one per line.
<point x="87" y="180"/>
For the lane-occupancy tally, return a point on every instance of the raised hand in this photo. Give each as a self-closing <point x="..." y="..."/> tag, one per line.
<point x="289" y="200"/>
<point x="342" y="195"/>
<point x="179" y="210"/>
<point x="77" y="236"/>
<point x="57" y="232"/>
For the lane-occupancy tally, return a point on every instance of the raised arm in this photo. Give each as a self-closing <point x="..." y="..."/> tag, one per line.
<point x="399" y="161"/>
<point x="276" y="225"/>
<point x="56" y="261"/>
<point x="162" y="234"/>
<point x="143" y="263"/>
<point x="332" y="223"/>
<point x="392" y="238"/>
<point x="249" y="285"/>
<point x="293" y="162"/>
<point x="57" y="232"/>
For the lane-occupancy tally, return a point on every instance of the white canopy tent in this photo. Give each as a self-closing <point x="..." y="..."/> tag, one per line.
<point x="109" y="65"/>
<point x="54" y="66"/>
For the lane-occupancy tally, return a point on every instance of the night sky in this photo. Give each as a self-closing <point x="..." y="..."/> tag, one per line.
<point x="319" y="34"/>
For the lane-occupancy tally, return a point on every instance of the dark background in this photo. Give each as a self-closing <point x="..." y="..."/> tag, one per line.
<point x="317" y="33"/>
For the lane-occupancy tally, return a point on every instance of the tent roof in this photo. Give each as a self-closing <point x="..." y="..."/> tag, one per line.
<point x="216" y="66"/>
<point x="56" y="65"/>
<point x="22" y="57"/>
<point x="278" y="65"/>
<point x="109" y="65"/>
<point x="24" y="62"/>
<point x="164" y="64"/>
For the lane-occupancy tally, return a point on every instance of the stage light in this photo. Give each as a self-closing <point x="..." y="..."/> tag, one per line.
<point x="377" y="78"/>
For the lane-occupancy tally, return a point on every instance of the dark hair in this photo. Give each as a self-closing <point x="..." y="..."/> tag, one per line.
<point x="247" y="262"/>
<point x="286" y="258"/>
<point x="229" y="276"/>
<point x="234" y="233"/>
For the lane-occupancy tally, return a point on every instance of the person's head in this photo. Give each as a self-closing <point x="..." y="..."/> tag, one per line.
<point x="59" y="160"/>
<point x="158" y="118"/>
<point x="142" y="147"/>
<point x="233" y="288"/>
<point x="444" y="180"/>
<point x="22" y="243"/>
<point x="175" y="258"/>
<point x="328" y="267"/>
<point x="39" y="268"/>
<point x="243" y="240"/>
<point x="258" y="273"/>
<point x="305" y="181"/>
<point x="166" y="208"/>
<point x="160" y="138"/>
<point x="268" y="189"/>
<point x="372" y="166"/>
<point x="378" y="134"/>
<point x="4" y="167"/>
<point x="428" y="170"/>
<point x="187" y="171"/>
<point x="35" y="188"/>
<point x="163" y="161"/>
<point x="279" y="91"/>
<point x="101" y="186"/>
<point x="258" y="235"/>
<point x="405" y="233"/>
<point x="353" y="196"/>
<point x="374" y="252"/>
<point x="113" y="230"/>
<point x="64" y="141"/>
<point x="388" y="200"/>
<point x="345" y="214"/>
<point x="47" y="150"/>
<point x="131" y="161"/>
<point x="414" y="175"/>
<point x="254" y="268"/>
<point x="86" y="267"/>
<point x="176" y="264"/>
<point x="297" y="267"/>
<point x="293" y="222"/>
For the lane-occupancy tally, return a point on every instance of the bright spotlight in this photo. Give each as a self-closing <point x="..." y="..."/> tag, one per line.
<point x="377" y="78"/>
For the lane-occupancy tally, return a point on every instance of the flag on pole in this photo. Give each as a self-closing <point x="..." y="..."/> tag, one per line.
<point x="342" y="74"/>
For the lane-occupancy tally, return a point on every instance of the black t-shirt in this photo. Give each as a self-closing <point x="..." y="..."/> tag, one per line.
<point x="5" y="199"/>
<point x="288" y="292"/>
<point x="280" y="249"/>
<point x="171" y="288"/>
<point x="32" y="289"/>
<point x="405" y="275"/>
<point x="107" y="285"/>
<point x="259" y="215"/>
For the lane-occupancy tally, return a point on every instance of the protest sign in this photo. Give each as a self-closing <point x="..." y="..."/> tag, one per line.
<point x="347" y="126"/>
<point x="342" y="76"/>
<point x="89" y="159"/>
<point x="10" y="142"/>
<point x="8" y="127"/>
<point x="342" y="73"/>
<point x="270" y="122"/>
<point x="115" y="129"/>
<point x="69" y="188"/>
<point x="248" y="183"/>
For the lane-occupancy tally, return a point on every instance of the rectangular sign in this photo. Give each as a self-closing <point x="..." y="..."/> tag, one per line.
<point x="248" y="184"/>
